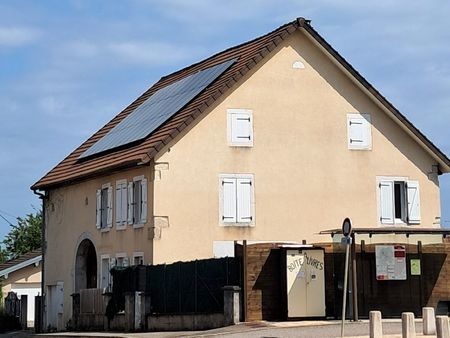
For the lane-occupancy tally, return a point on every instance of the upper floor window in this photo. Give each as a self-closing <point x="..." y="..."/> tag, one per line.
<point x="240" y="127"/>
<point x="359" y="131"/>
<point x="104" y="207"/>
<point x="137" y="201"/>
<point x="236" y="200"/>
<point x="399" y="201"/>
<point x="121" y="204"/>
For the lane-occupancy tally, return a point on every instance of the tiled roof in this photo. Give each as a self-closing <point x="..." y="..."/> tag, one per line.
<point x="21" y="259"/>
<point x="248" y="54"/>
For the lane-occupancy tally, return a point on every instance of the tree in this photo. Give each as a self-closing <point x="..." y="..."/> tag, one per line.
<point x="23" y="237"/>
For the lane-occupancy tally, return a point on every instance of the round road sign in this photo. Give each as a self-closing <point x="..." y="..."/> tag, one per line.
<point x="347" y="227"/>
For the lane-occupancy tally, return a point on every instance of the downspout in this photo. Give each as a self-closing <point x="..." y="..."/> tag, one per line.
<point x="43" y="197"/>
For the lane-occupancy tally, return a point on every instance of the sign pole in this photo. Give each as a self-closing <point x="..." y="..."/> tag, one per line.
<point x="346" y="231"/>
<point x="344" y="297"/>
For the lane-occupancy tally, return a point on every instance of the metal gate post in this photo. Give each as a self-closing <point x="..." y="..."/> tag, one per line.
<point x="354" y="280"/>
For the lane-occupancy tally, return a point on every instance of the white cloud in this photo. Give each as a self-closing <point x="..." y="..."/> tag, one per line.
<point x="82" y="49"/>
<point x="96" y="53"/>
<point x="51" y="105"/>
<point x="149" y="53"/>
<point x="205" y="17"/>
<point x="17" y="36"/>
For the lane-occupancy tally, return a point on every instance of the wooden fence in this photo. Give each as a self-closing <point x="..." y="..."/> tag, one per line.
<point x="91" y="301"/>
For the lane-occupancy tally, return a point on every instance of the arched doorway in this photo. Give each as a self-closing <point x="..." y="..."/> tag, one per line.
<point x="86" y="266"/>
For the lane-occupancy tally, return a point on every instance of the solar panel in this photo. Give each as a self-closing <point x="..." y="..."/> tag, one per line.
<point x="157" y="109"/>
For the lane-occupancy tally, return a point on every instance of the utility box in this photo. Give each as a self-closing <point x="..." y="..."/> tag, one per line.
<point x="305" y="277"/>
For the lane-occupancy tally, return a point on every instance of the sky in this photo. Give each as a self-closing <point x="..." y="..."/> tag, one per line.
<point x="67" y="67"/>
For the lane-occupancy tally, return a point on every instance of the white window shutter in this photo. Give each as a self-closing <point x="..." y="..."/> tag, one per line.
<point x="112" y="262"/>
<point x="119" y="197"/>
<point x="109" y="215"/>
<point x="98" y="214"/>
<point x="124" y="203"/>
<point x="387" y="202"/>
<point x="244" y="200"/>
<point x="413" y="202"/>
<point x="356" y="131"/>
<point x="126" y="262"/>
<point x="144" y="200"/>
<point x="359" y="131"/>
<point x="130" y="203"/>
<point x="241" y="128"/>
<point x="229" y="200"/>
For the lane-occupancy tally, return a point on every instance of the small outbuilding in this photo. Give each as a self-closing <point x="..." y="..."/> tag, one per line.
<point x="23" y="277"/>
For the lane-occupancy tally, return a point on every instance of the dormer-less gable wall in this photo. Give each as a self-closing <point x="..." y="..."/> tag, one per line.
<point x="303" y="176"/>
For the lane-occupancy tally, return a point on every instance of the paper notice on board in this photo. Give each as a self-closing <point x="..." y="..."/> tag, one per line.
<point x="390" y="262"/>
<point x="415" y="267"/>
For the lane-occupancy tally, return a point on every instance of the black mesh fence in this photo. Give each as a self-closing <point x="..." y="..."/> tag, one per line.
<point x="182" y="287"/>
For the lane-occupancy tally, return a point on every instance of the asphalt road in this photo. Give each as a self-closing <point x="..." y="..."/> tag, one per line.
<point x="253" y="330"/>
<point x="359" y="329"/>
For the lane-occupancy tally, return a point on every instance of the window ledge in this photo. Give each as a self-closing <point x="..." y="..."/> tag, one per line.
<point x="121" y="227"/>
<point x="105" y="229"/>
<point x="402" y="225"/>
<point x="360" y="148"/>
<point x="138" y="225"/>
<point x="238" y="225"/>
<point x="241" y="145"/>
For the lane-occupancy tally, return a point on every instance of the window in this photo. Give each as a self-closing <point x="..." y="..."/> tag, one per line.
<point x="359" y="131"/>
<point x="399" y="201"/>
<point x="104" y="207"/>
<point x="240" y="127"/>
<point x="137" y="201"/>
<point x="122" y="260"/>
<point x="105" y="278"/>
<point x="138" y="258"/>
<point x="236" y="200"/>
<point x="121" y="204"/>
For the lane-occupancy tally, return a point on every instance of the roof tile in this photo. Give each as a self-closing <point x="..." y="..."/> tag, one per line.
<point x="23" y="258"/>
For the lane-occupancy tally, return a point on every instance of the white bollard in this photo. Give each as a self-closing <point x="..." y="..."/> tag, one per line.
<point x="408" y="325"/>
<point x="442" y="327"/>
<point x="428" y="321"/>
<point x="375" y="326"/>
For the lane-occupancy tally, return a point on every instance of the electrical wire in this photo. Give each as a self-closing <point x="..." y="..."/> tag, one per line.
<point x="8" y="214"/>
<point x="6" y="220"/>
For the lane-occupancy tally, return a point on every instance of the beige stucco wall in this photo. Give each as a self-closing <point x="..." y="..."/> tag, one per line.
<point x="305" y="178"/>
<point x="28" y="275"/>
<point x="70" y="213"/>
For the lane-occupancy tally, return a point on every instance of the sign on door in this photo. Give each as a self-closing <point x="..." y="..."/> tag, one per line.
<point x="305" y="283"/>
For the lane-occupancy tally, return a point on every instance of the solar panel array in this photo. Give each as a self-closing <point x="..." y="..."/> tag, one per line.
<point x="157" y="109"/>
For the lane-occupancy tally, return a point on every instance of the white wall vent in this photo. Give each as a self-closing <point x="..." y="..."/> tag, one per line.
<point x="298" y="65"/>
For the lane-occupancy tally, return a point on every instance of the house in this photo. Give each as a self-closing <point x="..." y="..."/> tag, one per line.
<point x="23" y="276"/>
<point x="273" y="140"/>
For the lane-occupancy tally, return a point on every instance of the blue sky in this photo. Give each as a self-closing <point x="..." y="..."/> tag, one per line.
<point x="67" y="67"/>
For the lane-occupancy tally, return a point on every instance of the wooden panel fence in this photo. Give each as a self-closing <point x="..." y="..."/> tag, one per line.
<point x="91" y="301"/>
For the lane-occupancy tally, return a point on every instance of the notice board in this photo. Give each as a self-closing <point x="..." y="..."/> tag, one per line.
<point x="390" y="262"/>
